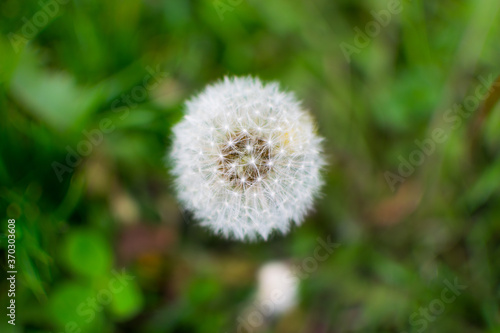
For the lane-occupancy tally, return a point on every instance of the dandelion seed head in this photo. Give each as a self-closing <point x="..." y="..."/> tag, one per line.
<point x="241" y="166"/>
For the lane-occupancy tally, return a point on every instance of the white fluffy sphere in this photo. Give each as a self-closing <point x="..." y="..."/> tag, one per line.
<point x="246" y="159"/>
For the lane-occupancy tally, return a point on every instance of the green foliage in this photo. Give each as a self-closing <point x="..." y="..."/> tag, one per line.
<point x="87" y="103"/>
<point x="87" y="253"/>
<point x="128" y="302"/>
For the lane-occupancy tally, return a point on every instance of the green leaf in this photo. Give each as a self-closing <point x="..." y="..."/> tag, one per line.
<point x="69" y="310"/>
<point x="54" y="97"/>
<point x="87" y="253"/>
<point x="485" y="186"/>
<point x="127" y="302"/>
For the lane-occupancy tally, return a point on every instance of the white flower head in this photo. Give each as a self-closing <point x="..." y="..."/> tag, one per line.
<point x="277" y="286"/>
<point x="246" y="159"/>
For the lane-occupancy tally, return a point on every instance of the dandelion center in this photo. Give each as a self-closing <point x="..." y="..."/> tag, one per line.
<point x="247" y="159"/>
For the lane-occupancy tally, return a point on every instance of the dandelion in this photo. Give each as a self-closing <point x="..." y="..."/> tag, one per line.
<point x="277" y="278"/>
<point x="247" y="159"/>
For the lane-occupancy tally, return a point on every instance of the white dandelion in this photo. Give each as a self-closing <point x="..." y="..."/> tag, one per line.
<point x="277" y="278"/>
<point x="247" y="159"/>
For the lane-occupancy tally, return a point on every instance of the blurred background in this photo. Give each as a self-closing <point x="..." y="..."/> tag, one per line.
<point x="89" y="92"/>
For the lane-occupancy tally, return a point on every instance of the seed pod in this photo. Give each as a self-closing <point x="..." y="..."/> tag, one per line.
<point x="246" y="159"/>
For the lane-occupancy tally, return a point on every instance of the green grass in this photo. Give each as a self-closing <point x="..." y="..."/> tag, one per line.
<point x="75" y="76"/>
